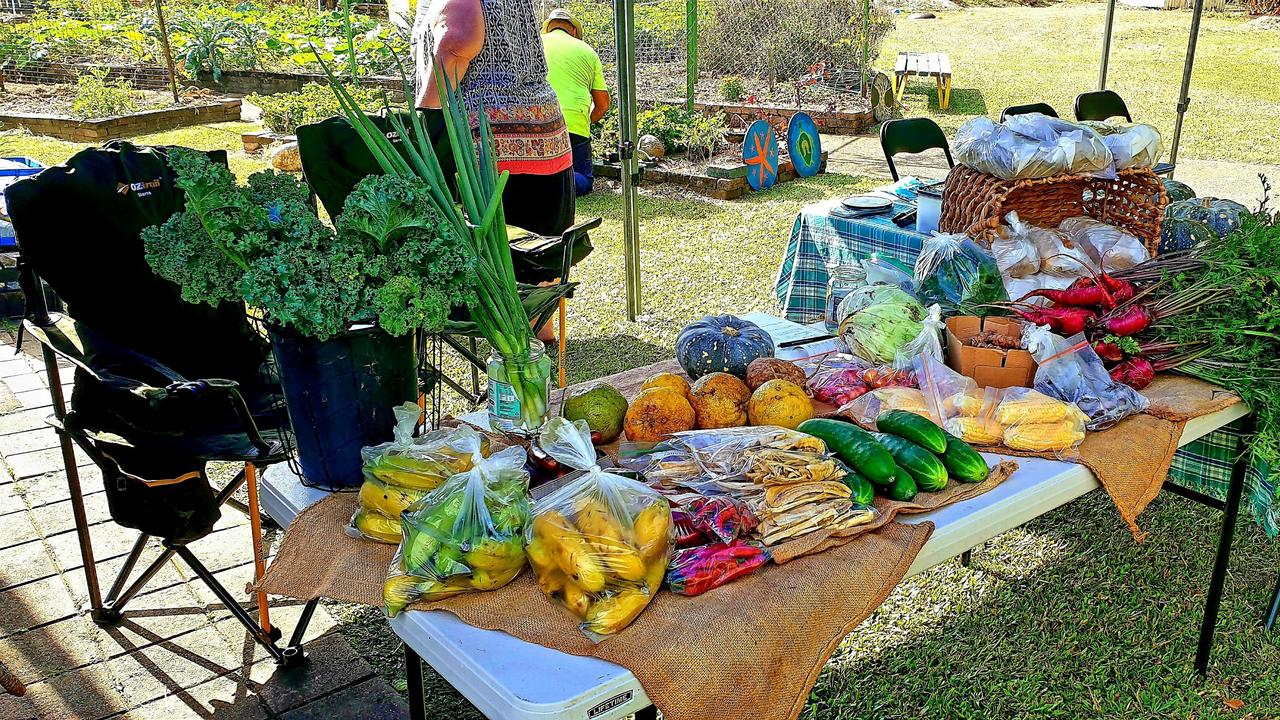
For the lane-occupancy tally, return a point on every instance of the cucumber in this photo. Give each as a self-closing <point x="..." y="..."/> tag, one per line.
<point x="903" y="488"/>
<point x="963" y="462"/>
<point x="928" y="471"/>
<point x="916" y="428"/>
<point x="863" y="491"/>
<point x="854" y="446"/>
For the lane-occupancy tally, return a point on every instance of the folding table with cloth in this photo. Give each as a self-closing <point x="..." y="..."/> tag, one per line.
<point x="514" y="654"/>
<point x="825" y="236"/>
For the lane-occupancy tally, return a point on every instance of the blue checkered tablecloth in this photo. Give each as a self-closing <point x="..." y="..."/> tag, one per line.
<point x="823" y="238"/>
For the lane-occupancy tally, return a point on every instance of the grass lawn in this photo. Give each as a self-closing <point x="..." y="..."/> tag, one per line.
<point x="1003" y="56"/>
<point x="1066" y="617"/>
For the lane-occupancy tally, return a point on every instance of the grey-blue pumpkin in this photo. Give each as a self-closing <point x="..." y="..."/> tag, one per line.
<point x="1178" y="190"/>
<point x="721" y="343"/>
<point x="1181" y="233"/>
<point x="1222" y="216"/>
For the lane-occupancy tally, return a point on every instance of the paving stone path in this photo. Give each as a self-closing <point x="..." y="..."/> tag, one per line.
<point x="178" y="653"/>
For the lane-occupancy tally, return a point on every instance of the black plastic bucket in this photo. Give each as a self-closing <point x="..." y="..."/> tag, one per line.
<point x="340" y="393"/>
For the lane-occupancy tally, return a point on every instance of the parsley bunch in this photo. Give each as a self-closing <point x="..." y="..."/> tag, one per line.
<point x="393" y="259"/>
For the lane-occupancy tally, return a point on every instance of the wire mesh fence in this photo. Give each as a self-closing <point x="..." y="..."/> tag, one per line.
<point x="807" y="53"/>
<point x="111" y="53"/>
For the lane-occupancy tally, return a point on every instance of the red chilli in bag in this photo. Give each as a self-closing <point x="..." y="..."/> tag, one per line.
<point x="696" y="570"/>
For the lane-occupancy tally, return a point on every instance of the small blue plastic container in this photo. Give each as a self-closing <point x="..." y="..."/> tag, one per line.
<point x="12" y="169"/>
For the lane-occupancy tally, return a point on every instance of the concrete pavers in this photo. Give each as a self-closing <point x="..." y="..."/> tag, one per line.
<point x="178" y="653"/>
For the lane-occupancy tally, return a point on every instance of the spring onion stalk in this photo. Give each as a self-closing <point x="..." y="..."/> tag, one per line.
<point x="497" y="312"/>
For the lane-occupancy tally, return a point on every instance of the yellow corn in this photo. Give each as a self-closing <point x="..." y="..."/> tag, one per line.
<point x="1039" y="437"/>
<point x="1032" y="408"/>
<point x="901" y="398"/>
<point x="968" y="404"/>
<point x="977" y="431"/>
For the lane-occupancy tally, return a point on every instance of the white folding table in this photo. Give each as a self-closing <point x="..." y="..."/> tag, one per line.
<point x="510" y="679"/>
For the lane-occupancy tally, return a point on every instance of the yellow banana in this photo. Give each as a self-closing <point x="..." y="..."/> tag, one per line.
<point x="386" y="499"/>
<point x="653" y="530"/>
<point x="595" y="521"/>
<point x="491" y="554"/>
<point x="552" y="582"/>
<point x="377" y="526"/>
<point x="576" y="558"/>
<point x="619" y="558"/>
<point x="612" y="614"/>
<point x="540" y="556"/>
<point x="576" y="599"/>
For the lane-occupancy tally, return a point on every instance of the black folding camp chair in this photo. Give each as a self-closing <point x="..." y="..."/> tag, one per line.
<point x="335" y="159"/>
<point x="161" y="386"/>
<point x="1104" y="105"/>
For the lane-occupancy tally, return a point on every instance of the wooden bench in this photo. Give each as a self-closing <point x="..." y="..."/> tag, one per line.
<point x="914" y="63"/>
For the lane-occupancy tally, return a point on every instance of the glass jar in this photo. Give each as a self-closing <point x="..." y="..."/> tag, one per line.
<point x="842" y="279"/>
<point x="519" y="389"/>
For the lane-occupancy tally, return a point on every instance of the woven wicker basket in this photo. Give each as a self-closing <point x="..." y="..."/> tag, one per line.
<point x="976" y="203"/>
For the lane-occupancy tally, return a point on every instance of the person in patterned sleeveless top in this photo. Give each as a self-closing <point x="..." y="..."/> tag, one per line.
<point x="492" y="49"/>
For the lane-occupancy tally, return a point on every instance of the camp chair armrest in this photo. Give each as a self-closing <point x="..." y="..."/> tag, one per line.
<point x="231" y="391"/>
<point x="569" y="238"/>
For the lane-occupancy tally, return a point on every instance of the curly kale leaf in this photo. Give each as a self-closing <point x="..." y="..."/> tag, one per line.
<point x="418" y="264"/>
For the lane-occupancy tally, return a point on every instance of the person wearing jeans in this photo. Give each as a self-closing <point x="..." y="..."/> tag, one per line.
<point x="574" y="71"/>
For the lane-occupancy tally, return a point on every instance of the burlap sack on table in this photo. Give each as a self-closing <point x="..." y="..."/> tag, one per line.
<point x="752" y="648"/>
<point x="1131" y="459"/>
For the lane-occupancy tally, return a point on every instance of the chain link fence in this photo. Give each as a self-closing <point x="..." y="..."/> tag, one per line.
<point x="87" y="57"/>
<point x="805" y="53"/>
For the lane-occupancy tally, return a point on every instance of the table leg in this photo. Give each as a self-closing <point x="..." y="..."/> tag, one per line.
<point x="413" y="680"/>
<point x="1216" y="582"/>
<point x="901" y="87"/>
<point x="942" y="101"/>
<point x="649" y="713"/>
<point x="966" y="558"/>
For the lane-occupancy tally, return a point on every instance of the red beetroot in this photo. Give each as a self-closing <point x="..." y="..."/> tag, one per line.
<point x="1129" y="321"/>
<point x="1084" y="296"/>
<point x="1137" y="372"/>
<point x="1109" y="352"/>
<point x="1063" y="320"/>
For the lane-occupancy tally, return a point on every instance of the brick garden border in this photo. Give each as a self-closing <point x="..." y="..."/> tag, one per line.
<point x="835" y="122"/>
<point x="716" y="186"/>
<point x="139" y="123"/>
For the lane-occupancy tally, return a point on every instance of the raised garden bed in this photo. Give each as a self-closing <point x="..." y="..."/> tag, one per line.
<point x="65" y="127"/>
<point x="150" y="77"/>
<point x="722" y="179"/>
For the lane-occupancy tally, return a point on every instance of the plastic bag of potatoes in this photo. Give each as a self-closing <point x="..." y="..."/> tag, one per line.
<point x="599" y="545"/>
<point x="466" y="536"/>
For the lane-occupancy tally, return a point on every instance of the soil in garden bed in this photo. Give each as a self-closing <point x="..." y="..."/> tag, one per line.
<point x="57" y="99"/>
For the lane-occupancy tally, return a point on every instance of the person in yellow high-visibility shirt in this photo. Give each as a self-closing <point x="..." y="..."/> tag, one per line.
<point x="574" y="71"/>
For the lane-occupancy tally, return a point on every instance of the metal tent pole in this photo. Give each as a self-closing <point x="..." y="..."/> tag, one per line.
<point x="1184" y="99"/>
<point x="624" y="39"/>
<point x="691" y="53"/>
<point x="1108" y="24"/>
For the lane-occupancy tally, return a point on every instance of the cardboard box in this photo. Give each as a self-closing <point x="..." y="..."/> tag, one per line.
<point x="987" y="366"/>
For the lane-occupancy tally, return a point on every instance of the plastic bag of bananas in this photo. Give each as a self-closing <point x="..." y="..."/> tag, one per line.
<point x="402" y="472"/>
<point x="599" y="545"/>
<point x="468" y="535"/>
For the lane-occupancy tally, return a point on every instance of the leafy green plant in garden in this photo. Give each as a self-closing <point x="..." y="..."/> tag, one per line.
<point x="393" y="259"/>
<point x="206" y="39"/>
<point x="97" y="96"/>
<point x="284" y="112"/>
<point x="732" y="88"/>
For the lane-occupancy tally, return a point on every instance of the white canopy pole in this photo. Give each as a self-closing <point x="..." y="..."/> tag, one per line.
<point x="624" y="40"/>
<point x="1106" y="44"/>
<point x="1184" y="98"/>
